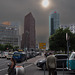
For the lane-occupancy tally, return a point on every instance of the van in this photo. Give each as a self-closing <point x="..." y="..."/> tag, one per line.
<point x="71" y="61"/>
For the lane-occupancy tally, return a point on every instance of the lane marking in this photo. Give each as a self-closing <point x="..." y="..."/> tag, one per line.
<point x="28" y="66"/>
<point x="24" y="67"/>
<point x="4" y="63"/>
<point x="2" y="59"/>
<point x="3" y="69"/>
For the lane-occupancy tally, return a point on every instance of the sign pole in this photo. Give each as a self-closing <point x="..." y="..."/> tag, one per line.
<point x="67" y="39"/>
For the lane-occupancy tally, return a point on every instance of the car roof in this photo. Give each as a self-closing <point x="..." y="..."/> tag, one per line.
<point x="61" y="55"/>
<point x="73" y="52"/>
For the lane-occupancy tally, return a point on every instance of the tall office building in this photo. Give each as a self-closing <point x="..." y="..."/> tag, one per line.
<point x="9" y="34"/>
<point x="28" y="37"/>
<point x="53" y="22"/>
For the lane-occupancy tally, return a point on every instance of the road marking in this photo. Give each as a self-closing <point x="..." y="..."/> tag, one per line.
<point x="3" y="69"/>
<point x="6" y="74"/>
<point x="28" y="66"/>
<point x="2" y="59"/>
<point x="4" y="63"/>
<point x="24" y="67"/>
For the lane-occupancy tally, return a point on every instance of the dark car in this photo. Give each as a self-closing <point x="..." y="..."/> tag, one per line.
<point x="61" y="58"/>
<point x="41" y="63"/>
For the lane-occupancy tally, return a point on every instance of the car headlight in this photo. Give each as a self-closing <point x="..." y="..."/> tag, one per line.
<point x="40" y="61"/>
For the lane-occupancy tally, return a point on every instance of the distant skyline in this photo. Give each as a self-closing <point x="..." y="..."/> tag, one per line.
<point x="15" y="10"/>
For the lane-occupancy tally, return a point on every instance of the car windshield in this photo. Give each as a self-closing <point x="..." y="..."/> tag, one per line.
<point x="72" y="56"/>
<point x="10" y="54"/>
<point x="61" y="57"/>
<point x="16" y="55"/>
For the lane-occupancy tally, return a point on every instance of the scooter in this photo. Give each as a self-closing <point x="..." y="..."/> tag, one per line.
<point x="19" y="70"/>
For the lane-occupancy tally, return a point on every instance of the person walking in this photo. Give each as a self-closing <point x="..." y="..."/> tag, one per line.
<point x="51" y="64"/>
<point x="11" y="69"/>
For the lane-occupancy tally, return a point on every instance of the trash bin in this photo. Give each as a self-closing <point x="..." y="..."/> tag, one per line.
<point x="19" y="70"/>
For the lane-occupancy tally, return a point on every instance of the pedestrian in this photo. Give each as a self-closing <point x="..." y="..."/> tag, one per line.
<point x="11" y="69"/>
<point x="45" y="54"/>
<point x="51" y="64"/>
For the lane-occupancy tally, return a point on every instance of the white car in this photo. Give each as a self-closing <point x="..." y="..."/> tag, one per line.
<point x="6" y="54"/>
<point x="10" y="54"/>
<point x="3" y="54"/>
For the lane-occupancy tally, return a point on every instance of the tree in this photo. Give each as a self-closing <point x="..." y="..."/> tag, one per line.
<point x="57" y="41"/>
<point x="16" y="48"/>
<point x="2" y="47"/>
<point x="8" y="46"/>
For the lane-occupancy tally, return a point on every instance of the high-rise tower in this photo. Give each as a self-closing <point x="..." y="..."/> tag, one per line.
<point x="53" y="22"/>
<point x="28" y="37"/>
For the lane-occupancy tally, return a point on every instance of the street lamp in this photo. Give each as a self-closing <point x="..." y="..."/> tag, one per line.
<point x="67" y="39"/>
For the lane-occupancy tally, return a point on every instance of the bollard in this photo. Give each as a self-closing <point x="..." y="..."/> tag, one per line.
<point x="63" y="68"/>
<point x="44" y="68"/>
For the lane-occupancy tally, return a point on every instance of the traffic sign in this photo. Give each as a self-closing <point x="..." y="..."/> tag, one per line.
<point x="42" y="45"/>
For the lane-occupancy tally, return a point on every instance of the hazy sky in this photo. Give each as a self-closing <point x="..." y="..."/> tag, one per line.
<point x="15" y="10"/>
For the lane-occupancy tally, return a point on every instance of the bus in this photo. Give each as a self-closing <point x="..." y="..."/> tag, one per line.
<point x="19" y="56"/>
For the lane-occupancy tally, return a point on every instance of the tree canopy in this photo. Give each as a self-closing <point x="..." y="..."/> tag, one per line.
<point x="57" y="41"/>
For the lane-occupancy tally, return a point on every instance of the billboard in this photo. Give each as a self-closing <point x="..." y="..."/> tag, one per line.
<point x="42" y="45"/>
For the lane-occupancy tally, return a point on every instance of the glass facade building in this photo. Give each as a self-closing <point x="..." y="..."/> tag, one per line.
<point x="53" y="22"/>
<point x="9" y="34"/>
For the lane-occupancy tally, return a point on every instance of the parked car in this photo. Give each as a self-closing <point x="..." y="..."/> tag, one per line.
<point x="3" y="54"/>
<point x="61" y="58"/>
<point x="37" y="53"/>
<point x="10" y="54"/>
<point x="71" y="62"/>
<point x="41" y="63"/>
<point x="6" y="54"/>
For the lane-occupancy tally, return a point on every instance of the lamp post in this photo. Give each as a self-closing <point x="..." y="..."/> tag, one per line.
<point x="67" y="39"/>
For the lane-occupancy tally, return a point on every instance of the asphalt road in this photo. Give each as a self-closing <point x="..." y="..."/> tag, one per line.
<point x="29" y="67"/>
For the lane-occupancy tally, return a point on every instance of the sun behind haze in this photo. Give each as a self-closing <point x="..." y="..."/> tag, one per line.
<point x="45" y="3"/>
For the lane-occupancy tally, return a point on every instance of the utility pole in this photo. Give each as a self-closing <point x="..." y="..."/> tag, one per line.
<point x="67" y="39"/>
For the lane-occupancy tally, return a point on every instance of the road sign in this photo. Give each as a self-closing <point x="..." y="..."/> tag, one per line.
<point x="42" y="45"/>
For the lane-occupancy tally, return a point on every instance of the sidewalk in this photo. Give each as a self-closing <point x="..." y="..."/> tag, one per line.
<point x="35" y="59"/>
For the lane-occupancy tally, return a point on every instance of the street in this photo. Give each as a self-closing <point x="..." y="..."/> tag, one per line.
<point x="30" y="67"/>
